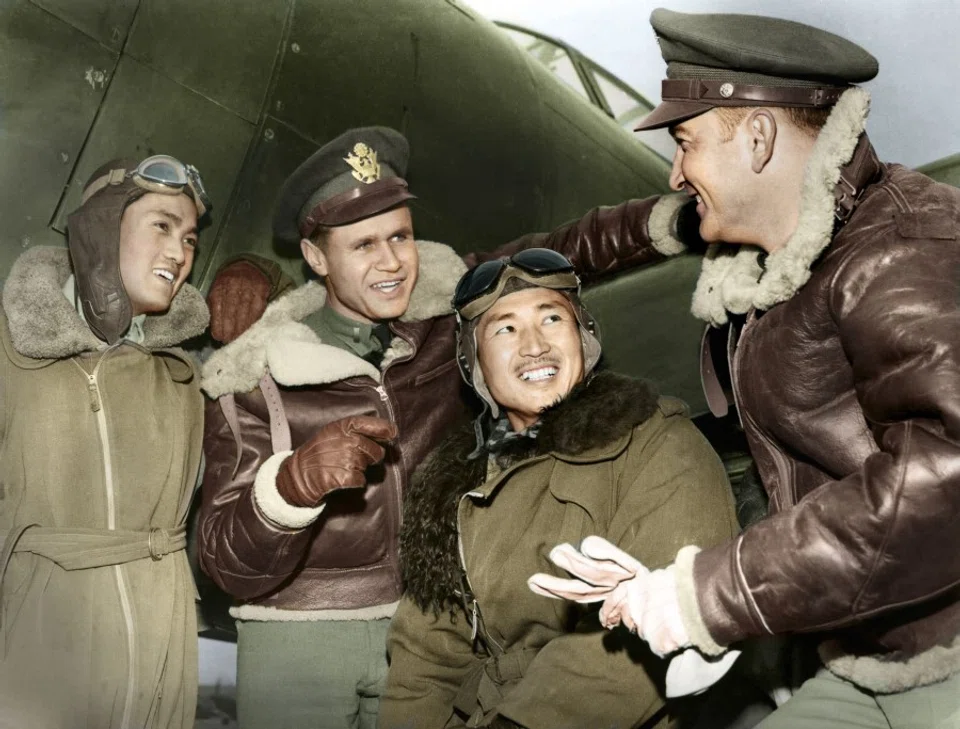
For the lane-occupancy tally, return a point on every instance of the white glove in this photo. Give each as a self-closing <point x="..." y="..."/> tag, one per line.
<point x="691" y="673"/>
<point x="645" y="602"/>
<point x="599" y="566"/>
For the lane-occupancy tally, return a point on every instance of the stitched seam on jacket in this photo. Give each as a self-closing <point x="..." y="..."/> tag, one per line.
<point x="898" y="197"/>
<point x="882" y="549"/>
<point x="746" y="588"/>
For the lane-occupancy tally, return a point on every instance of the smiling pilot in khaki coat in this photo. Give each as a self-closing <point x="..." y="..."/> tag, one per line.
<point x="100" y="448"/>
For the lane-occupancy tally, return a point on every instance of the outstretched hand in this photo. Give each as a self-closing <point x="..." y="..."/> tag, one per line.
<point x="603" y="571"/>
<point x="645" y="602"/>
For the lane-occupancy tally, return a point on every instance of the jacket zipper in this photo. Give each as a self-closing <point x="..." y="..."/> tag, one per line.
<point x="96" y="405"/>
<point x="395" y="495"/>
<point x="779" y="461"/>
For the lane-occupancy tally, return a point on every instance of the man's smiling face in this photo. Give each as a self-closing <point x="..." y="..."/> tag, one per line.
<point x="370" y="267"/>
<point x="709" y="165"/>
<point x="530" y="352"/>
<point x="158" y="239"/>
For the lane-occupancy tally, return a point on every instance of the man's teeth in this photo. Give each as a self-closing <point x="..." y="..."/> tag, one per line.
<point x="544" y="373"/>
<point x="164" y="274"/>
<point x="698" y="198"/>
<point x="387" y="285"/>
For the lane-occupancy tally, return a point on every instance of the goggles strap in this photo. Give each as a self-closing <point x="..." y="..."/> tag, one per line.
<point x="117" y="176"/>
<point x="113" y="177"/>
<point x="564" y="280"/>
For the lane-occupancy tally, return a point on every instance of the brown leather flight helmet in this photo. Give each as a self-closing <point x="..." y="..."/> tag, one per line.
<point x="93" y="238"/>
<point x="481" y="287"/>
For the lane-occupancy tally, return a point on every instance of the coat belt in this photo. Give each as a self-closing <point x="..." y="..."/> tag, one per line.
<point x="79" y="549"/>
<point x="486" y="685"/>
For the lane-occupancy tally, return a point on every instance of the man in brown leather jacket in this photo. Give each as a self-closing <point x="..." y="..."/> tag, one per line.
<point x="846" y="374"/>
<point x="322" y="409"/>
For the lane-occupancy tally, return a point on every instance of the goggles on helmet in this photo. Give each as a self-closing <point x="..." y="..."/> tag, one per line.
<point x="160" y="173"/>
<point x="480" y="287"/>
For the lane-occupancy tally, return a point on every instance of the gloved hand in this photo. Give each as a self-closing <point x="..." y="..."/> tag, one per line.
<point x="237" y="298"/>
<point x="334" y="458"/>
<point x="600" y="566"/>
<point x="645" y="602"/>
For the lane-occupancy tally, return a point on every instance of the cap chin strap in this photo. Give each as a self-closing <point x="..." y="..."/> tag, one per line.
<point x="727" y="93"/>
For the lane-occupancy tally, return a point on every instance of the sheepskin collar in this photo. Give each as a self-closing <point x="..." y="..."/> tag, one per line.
<point x="294" y="355"/>
<point x="731" y="280"/>
<point x="591" y="424"/>
<point x="45" y="325"/>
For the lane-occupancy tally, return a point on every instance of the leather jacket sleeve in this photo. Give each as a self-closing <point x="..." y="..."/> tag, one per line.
<point x="245" y="552"/>
<point x="609" y="239"/>
<point x="886" y="536"/>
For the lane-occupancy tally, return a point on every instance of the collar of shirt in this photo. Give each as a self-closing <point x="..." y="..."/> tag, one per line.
<point x="367" y="341"/>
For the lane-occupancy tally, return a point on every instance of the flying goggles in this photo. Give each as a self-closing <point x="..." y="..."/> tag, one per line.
<point x="480" y="287"/>
<point x="160" y="173"/>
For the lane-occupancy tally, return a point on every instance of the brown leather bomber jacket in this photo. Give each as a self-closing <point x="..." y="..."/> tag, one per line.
<point x="272" y="555"/>
<point x="849" y="393"/>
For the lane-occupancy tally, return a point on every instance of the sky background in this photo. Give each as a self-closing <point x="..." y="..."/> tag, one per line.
<point x="915" y="116"/>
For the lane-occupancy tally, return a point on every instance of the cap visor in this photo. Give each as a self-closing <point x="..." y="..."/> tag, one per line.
<point x="672" y="112"/>
<point x="367" y="205"/>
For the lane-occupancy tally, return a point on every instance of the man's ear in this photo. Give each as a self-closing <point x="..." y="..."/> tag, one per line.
<point x="761" y="128"/>
<point x="314" y="257"/>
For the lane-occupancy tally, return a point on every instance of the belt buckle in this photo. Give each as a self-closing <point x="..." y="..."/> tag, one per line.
<point x="154" y="535"/>
<point x="846" y="196"/>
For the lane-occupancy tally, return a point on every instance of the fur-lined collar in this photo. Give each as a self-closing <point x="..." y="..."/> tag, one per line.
<point x="593" y="423"/>
<point x="731" y="281"/>
<point x="294" y="354"/>
<point x="45" y="325"/>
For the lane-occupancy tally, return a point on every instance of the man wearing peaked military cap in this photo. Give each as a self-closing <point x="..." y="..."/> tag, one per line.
<point x="832" y="281"/>
<point x="356" y="175"/>
<point x="322" y="418"/>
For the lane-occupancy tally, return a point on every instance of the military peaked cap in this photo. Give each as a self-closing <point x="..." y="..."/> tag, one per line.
<point x="358" y="174"/>
<point x="750" y="60"/>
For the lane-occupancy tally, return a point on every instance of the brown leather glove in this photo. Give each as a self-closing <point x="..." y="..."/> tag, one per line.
<point x="334" y="458"/>
<point x="237" y="298"/>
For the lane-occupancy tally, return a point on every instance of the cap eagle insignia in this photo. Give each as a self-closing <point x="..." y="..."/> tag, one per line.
<point x="363" y="160"/>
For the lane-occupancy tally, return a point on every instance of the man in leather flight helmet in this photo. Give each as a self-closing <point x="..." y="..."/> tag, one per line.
<point x="833" y="282"/>
<point x="100" y="457"/>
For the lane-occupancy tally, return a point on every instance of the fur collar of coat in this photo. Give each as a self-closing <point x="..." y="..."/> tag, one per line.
<point x="45" y="325"/>
<point x="731" y="280"/>
<point x="294" y="355"/>
<point x="597" y="414"/>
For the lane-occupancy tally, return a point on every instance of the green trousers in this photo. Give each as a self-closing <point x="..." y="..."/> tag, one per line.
<point x="316" y="675"/>
<point x="828" y="702"/>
